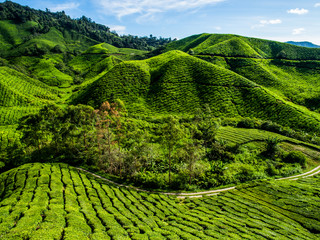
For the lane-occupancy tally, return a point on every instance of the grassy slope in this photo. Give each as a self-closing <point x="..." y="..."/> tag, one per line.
<point x="298" y="81"/>
<point x="19" y="90"/>
<point x="234" y="45"/>
<point x="13" y="34"/>
<point x="175" y="82"/>
<point x="15" y="40"/>
<point x="21" y="95"/>
<point x="54" y="201"/>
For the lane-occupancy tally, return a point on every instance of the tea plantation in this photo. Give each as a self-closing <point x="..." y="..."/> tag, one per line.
<point x="214" y="136"/>
<point x="175" y="82"/>
<point x="56" y="201"/>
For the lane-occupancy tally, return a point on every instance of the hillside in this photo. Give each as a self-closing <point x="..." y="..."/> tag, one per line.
<point x="304" y="44"/>
<point x="55" y="201"/>
<point x="33" y="22"/>
<point x="228" y="45"/>
<point x="175" y="82"/>
<point x="97" y="137"/>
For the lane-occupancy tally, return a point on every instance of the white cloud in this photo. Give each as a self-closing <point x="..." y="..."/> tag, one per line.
<point x="65" y="6"/>
<point x="148" y="8"/>
<point x="299" y="11"/>
<point x="267" y="22"/>
<point x="317" y="5"/>
<point x="273" y="21"/>
<point x="119" y="29"/>
<point x="298" y="31"/>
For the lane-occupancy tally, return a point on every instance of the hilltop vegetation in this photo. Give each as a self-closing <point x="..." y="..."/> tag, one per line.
<point x="228" y="45"/>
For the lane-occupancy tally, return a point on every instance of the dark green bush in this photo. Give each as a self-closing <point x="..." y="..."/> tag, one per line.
<point x="149" y="179"/>
<point x="296" y="157"/>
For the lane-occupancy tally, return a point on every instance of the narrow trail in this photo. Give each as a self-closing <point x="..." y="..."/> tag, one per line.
<point x="311" y="173"/>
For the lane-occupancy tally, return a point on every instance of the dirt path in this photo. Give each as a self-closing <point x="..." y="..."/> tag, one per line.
<point x="311" y="173"/>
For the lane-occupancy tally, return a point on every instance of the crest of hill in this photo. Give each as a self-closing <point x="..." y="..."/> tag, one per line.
<point x="178" y="83"/>
<point x="228" y="45"/>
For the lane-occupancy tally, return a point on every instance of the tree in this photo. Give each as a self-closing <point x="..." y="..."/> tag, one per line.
<point x="272" y="147"/>
<point x="59" y="134"/>
<point x="192" y="152"/>
<point x="171" y="135"/>
<point x="109" y="135"/>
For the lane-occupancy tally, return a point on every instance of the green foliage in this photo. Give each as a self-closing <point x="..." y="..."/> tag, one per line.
<point x="53" y="201"/>
<point x="229" y="45"/>
<point x="272" y="146"/>
<point x="177" y="83"/>
<point x="296" y="157"/>
<point x="59" y="134"/>
<point x="30" y="23"/>
<point x="19" y="90"/>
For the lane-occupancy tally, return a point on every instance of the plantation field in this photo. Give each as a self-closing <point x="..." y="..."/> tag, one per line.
<point x="175" y="83"/>
<point x="18" y="89"/>
<point x="229" y="45"/>
<point x="297" y="81"/>
<point x="244" y="135"/>
<point x="8" y="135"/>
<point x="11" y="115"/>
<point x="55" y="201"/>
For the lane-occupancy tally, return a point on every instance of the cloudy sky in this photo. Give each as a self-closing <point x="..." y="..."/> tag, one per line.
<point x="281" y="20"/>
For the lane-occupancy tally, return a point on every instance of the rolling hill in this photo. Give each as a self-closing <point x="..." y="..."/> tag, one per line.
<point x="226" y="98"/>
<point x="304" y="44"/>
<point x="228" y="45"/>
<point x="176" y="82"/>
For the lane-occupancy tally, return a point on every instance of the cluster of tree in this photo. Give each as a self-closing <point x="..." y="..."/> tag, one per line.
<point x="85" y="26"/>
<point x="174" y="153"/>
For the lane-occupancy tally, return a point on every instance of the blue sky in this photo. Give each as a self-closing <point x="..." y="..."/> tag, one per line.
<point x="280" y="20"/>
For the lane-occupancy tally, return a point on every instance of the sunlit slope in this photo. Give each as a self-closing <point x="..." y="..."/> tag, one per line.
<point x="21" y="95"/>
<point x="177" y="83"/>
<point x="237" y="46"/>
<point x="18" y="89"/>
<point x="17" y="39"/>
<point x="13" y="34"/>
<point x="55" y="201"/>
<point x="298" y="81"/>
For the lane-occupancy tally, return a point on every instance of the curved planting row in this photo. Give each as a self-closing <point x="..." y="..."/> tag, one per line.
<point x="55" y="201"/>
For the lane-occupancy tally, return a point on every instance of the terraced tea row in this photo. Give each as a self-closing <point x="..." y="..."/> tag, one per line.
<point x="11" y="115"/>
<point x="54" y="201"/>
<point x="244" y="135"/>
<point x="229" y="45"/>
<point x="19" y="90"/>
<point x="177" y="83"/>
<point x="8" y="135"/>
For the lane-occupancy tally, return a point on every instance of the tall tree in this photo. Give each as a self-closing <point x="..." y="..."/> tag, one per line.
<point x="171" y="135"/>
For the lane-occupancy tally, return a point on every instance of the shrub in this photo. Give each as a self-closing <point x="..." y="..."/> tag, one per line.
<point x="296" y="157"/>
<point x="150" y="179"/>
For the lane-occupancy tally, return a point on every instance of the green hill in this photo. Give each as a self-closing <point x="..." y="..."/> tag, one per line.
<point x="19" y="90"/>
<point x="31" y="23"/>
<point x="228" y="45"/>
<point x="55" y="201"/>
<point x="178" y="83"/>
<point x="297" y="81"/>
